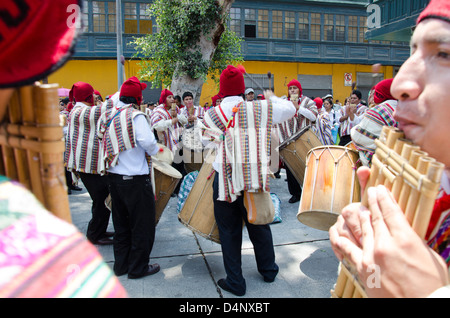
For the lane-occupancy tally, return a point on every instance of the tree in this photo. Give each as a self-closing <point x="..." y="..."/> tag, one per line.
<point x="192" y="43"/>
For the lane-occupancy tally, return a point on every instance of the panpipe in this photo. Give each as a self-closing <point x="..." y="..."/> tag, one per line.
<point x="414" y="180"/>
<point x="32" y="146"/>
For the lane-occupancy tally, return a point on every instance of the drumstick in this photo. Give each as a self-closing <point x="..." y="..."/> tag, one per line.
<point x="243" y="71"/>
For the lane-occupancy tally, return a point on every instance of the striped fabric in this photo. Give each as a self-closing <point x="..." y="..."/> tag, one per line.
<point x="116" y="133"/>
<point x="169" y="137"/>
<point x="438" y="236"/>
<point x="42" y="256"/>
<point x="298" y="122"/>
<point x="199" y="112"/>
<point x="364" y="134"/>
<point x="323" y="128"/>
<point x="245" y="148"/>
<point x="82" y="144"/>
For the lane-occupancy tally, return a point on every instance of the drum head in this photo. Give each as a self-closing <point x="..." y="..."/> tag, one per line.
<point x="166" y="168"/>
<point x="294" y="137"/>
<point x="166" y="155"/>
<point x="320" y="220"/>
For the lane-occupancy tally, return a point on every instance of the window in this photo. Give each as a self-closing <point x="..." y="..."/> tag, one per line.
<point x="277" y="24"/>
<point x="328" y="27"/>
<point x="353" y="29"/>
<point x="289" y="25"/>
<point x="315" y="26"/>
<point x="235" y="23"/>
<point x="303" y="25"/>
<point x="130" y="18"/>
<point x="263" y="23"/>
<point x="103" y="17"/>
<point x="362" y="29"/>
<point x="250" y="23"/>
<point x="145" y="21"/>
<point x="340" y="28"/>
<point x="263" y="81"/>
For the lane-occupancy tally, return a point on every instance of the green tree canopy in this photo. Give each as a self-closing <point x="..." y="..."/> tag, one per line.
<point x="175" y="50"/>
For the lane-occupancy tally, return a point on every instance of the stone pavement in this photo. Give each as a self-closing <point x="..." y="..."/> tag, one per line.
<point x="191" y="265"/>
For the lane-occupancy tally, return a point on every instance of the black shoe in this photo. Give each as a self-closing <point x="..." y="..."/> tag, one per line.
<point x="224" y="285"/>
<point x="69" y="191"/>
<point x="75" y="188"/>
<point x="294" y="199"/>
<point x="277" y="175"/>
<point x="152" y="269"/>
<point x="103" y="241"/>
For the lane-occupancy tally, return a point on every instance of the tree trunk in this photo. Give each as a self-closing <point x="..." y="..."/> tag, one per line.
<point x="208" y="44"/>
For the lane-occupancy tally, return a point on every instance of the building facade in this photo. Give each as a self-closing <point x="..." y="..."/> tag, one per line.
<point x="321" y="43"/>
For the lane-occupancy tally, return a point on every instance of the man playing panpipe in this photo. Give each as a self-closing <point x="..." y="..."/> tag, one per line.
<point x="381" y="236"/>
<point x="242" y="131"/>
<point x="41" y="255"/>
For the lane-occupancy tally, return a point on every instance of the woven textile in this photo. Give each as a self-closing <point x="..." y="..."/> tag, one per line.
<point x="43" y="256"/>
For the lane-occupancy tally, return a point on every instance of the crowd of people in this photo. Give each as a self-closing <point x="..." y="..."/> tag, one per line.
<point x="110" y="145"/>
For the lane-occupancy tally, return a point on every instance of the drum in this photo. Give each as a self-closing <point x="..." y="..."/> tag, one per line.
<point x="192" y="149"/>
<point x="166" y="179"/>
<point x="330" y="184"/>
<point x="294" y="150"/>
<point x="165" y="155"/>
<point x="198" y="211"/>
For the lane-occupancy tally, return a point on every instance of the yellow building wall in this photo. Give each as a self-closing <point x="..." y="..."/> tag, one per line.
<point x="102" y="75"/>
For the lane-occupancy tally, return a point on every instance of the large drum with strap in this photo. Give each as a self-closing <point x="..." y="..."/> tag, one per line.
<point x="192" y="149"/>
<point x="294" y="150"/>
<point x="330" y="184"/>
<point x="166" y="179"/>
<point x="198" y="211"/>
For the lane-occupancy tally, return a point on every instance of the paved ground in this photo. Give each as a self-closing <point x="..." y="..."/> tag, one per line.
<point x="191" y="265"/>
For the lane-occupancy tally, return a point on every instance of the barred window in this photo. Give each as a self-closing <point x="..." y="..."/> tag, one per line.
<point x="316" y="26"/>
<point x="263" y="23"/>
<point x="250" y="23"/>
<point x="277" y="24"/>
<point x="235" y="23"/>
<point x="289" y="25"/>
<point x="303" y="25"/>
<point x="353" y="28"/>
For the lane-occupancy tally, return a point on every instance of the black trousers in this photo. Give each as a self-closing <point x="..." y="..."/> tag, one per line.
<point x="229" y="218"/>
<point x="97" y="187"/>
<point x="345" y="140"/>
<point x="133" y="212"/>
<point x="293" y="186"/>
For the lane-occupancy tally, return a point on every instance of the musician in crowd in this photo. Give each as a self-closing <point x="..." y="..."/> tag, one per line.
<point x="229" y="209"/>
<point x="29" y="269"/>
<point x="351" y="115"/>
<point x="127" y="146"/>
<point x="379" y="115"/>
<point x="381" y="235"/>
<point x="249" y="94"/>
<point x="82" y="157"/>
<point x="324" y="124"/>
<point x="168" y="122"/>
<point x="306" y="115"/>
<point x="191" y="135"/>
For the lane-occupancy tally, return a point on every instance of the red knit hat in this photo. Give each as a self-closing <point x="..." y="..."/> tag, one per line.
<point x="36" y="38"/>
<point x="319" y="102"/>
<point x="231" y="82"/>
<point x="383" y="91"/>
<point x="82" y="92"/>
<point x="164" y="94"/>
<point x="132" y="87"/>
<point x="294" y="82"/>
<point x="436" y="9"/>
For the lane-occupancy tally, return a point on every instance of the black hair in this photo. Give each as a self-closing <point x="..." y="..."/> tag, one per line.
<point x="128" y="100"/>
<point x="65" y="100"/>
<point x="177" y="97"/>
<point x="186" y="94"/>
<point x="357" y="93"/>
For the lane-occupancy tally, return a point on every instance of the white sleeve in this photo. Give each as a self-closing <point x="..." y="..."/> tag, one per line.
<point x="307" y="113"/>
<point x="144" y="135"/>
<point x="282" y="109"/>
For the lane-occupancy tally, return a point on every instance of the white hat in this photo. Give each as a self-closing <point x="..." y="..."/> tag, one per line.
<point x="249" y="90"/>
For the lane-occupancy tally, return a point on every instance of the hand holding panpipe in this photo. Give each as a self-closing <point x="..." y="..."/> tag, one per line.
<point x="414" y="181"/>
